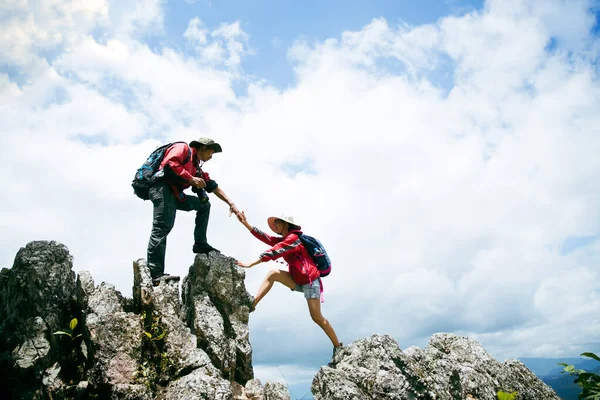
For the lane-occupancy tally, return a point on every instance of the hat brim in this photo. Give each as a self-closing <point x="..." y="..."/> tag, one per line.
<point x="271" y="222"/>
<point x="215" y="146"/>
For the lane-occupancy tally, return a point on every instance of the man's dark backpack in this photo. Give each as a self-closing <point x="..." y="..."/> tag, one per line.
<point x="144" y="176"/>
<point x="317" y="252"/>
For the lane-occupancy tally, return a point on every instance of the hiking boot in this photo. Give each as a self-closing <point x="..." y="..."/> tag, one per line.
<point x="166" y="278"/>
<point x="203" y="248"/>
<point x="336" y="352"/>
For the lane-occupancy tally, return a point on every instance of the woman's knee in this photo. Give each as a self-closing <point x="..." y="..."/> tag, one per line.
<point x="273" y="275"/>
<point x="319" y="319"/>
<point x="317" y="316"/>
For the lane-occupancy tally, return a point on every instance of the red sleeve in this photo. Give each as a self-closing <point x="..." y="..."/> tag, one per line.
<point x="263" y="237"/>
<point x="205" y="176"/>
<point x="288" y="245"/>
<point x="174" y="157"/>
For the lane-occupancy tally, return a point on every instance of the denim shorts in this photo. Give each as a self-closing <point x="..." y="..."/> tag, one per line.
<point x="311" y="290"/>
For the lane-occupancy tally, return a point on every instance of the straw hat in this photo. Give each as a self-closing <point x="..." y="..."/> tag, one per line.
<point x="288" y="219"/>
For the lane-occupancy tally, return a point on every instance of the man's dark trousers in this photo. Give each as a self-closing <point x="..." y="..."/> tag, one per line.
<point x="165" y="207"/>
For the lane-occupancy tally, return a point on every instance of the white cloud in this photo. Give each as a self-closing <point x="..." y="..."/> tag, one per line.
<point x="227" y="44"/>
<point x="195" y="33"/>
<point x="442" y="208"/>
<point x="287" y="374"/>
<point x="276" y="42"/>
<point x="36" y="26"/>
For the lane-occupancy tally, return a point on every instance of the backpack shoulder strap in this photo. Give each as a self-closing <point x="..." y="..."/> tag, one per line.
<point x="189" y="154"/>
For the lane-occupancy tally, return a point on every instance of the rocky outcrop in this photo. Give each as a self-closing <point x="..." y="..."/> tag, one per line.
<point x="451" y="367"/>
<point x="151" y="346"/>
<point x="36" y="298"/>
<point x="216" y="307"/>
<point x="158" y="345"/>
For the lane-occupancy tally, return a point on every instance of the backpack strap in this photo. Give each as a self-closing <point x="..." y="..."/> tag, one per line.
<point x="189" y="155"/>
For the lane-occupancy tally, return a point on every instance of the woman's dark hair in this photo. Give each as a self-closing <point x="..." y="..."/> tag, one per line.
<point x="291" y="227"/>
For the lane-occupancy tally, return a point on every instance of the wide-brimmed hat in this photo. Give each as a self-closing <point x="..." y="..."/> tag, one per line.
<point x="288" y="219"/>
<point x="204" y="141"/>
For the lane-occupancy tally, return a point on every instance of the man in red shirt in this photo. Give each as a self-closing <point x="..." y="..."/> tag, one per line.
<point x="181" y="168"/>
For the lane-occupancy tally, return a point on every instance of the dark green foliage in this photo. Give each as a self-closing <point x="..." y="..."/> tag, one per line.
<point x="70" y="331"/>
<point x="156" y="366"/>
<point x="588" y="381"/>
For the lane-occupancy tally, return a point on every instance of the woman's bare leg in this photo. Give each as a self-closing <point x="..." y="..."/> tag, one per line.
<point x="276" y="275"/>
<point x="314" y="307"/>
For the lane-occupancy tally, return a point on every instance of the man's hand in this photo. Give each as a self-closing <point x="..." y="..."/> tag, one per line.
<point x="197" y="182"/>
<point x="243" y="265"/>
<point x="233" y="210"/>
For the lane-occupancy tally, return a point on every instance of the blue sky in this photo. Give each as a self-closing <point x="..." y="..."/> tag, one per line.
<point x="274" y="26"/>
<point x="457" y="141"/>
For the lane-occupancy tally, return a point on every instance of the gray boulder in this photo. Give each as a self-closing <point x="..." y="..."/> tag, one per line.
<point x="450" y="367"/>
<point x="37" y="298"/>
<point x="158" y="345"/>
<point x="139" y="348"/>
<point x="217" y="307"/>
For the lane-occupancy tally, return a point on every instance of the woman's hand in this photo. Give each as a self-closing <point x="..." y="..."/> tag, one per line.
<point x="242" y="218"/>
<point x="250" y="265"/>
<point x="243" y="265"/>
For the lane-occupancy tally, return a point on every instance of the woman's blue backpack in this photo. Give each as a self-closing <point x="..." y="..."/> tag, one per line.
<point x="317" y="252"/>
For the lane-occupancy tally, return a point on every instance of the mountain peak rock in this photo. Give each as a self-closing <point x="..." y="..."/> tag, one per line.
<point x="64" y="337"/>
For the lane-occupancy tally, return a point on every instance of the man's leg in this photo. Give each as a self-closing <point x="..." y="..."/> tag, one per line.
<point x="162" y="198"/>
<point x="202" y="208"/>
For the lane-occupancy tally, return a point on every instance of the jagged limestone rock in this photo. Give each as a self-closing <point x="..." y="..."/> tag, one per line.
<point x="109" y="354"/>
<point x="181" y="346"/>
<point x="254" y="390"/>
<point x="216" y="307"/>
<point x="205" y="351"/>
<point x="450" y="367"/>
<point x="35" y="348"/>
<point x="197" y="385"/>
<point x="276" y="391"/>
<point x="460" y="366"/>
<point x="85" y="286"/>
<point x="142" y="285"/>
<point x="36" y="299"/>
<point x="116" y="338"/>
<point x="122" y="391"/>
<point x="372" y="367"/>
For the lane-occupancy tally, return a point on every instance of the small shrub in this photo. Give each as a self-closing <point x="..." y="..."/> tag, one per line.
<point x="506" y="396"/>
<point x="70" y="331"/>
<point x="588" y="381"/>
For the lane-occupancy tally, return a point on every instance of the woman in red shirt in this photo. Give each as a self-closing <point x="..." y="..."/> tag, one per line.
<point x="302" y="275"/>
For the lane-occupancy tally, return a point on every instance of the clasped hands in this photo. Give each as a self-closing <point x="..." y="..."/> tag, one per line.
<point x="241" y="216"/>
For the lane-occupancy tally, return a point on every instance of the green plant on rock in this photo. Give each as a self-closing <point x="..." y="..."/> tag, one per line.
<point x="588" y="381"/>
<point x="154" y="330"/>
<point x="70" y="331"/>
<point x="156" y="364"/>
<point x="506" y="396"/>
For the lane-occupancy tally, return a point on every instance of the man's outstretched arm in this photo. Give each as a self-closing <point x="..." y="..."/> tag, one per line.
<point x="221" y="194"/>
